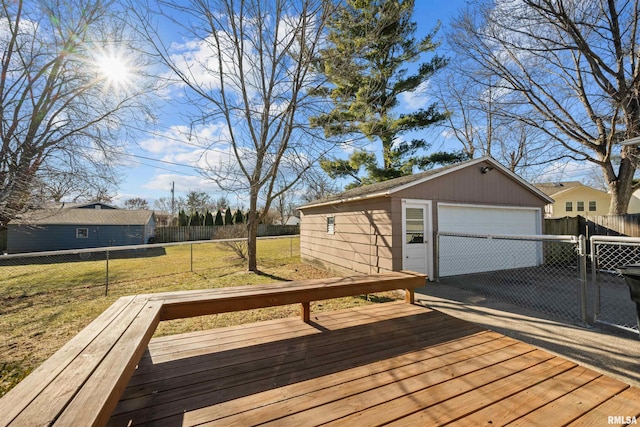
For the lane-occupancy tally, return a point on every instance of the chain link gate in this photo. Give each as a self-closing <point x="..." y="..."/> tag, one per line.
<point x="543" y="273"/>
<point x="612" y="304"/>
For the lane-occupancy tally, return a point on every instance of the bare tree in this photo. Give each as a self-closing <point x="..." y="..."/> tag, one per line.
<point x="252" y="70"/>
<point x="221" y="203"/>
<point x="59" y="98"/>
<point x="569" y="69"/>
<point x="136" y="203"/>
<point x="284" y="206"/>
<point x="69" y="183"/>
<point x="163" y="204"/>
<point x="317" y="185"/>
<point x="477" y="122"/>
<point x="199" y="201"/>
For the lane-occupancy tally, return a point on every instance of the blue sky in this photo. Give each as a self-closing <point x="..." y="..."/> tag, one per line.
<point x="162" y="156"/>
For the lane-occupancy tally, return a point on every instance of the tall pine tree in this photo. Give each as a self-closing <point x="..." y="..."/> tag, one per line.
<point x="208" y="218"/>
<point x="371" y="43"/>
<point x="183" y="218"/>
<point x="238" y="217"/>
<point x="195" y="219"/>
<point x="218" y="220"/>
<point x="228" y="217"/>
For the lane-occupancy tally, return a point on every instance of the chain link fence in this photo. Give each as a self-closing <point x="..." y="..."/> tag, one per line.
<point x="544" y="273"/>
<point x="96" y="270"/>
<point x="612" y="304"/>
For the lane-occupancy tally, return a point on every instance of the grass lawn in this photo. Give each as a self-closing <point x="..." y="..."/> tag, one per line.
<point x="43" y="305"/>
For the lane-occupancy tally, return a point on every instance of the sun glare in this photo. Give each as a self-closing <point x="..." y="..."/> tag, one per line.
<point x="114" y="69"/>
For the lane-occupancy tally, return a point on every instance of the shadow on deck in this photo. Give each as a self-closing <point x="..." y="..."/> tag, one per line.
<point x="390" y="362"/>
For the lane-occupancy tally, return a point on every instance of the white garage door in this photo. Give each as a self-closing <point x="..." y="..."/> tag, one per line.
<point x="460" y="255"/>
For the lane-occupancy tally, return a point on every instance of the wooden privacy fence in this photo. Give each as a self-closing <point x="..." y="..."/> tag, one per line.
<point x="187" y="234"/>
<point x="602" y="225"/>
<point x="3" y="240"/>
<point x="567" y="226"/>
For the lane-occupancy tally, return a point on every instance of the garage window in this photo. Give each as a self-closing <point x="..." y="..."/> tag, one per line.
<point x="415" y="225"/>
<point x="592" y="206"/>
<point x="568" y="206"/>
<point x="580" y="206"/>
<point x="82" y="233"/>
<point x="331" y="225"/>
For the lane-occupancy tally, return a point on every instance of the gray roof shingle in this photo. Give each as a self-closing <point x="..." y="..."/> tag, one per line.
<point x="74" y="216"/>
<point x="382" y="187"/>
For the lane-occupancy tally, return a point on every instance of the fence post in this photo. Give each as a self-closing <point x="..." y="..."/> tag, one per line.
<point x="582" y="272"/>
<point x="436" y="258"/>
<point x="594" y="279"/>
<point x="106" y="286"/>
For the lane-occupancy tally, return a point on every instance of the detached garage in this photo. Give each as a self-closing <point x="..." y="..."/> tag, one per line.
<point x="392" y="225"/>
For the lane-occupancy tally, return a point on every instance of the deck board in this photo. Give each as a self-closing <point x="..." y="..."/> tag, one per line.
<point x="29" y="388"/>
<point x="616" y="406"/>
<point x="520" y="404"/>
<point x="575" y="404"/>
<point x="362" y="366"/>
<point x="406" y="397"/>
<point x="465" y="404"/>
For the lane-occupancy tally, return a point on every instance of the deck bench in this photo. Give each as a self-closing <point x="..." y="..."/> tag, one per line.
<point x="83" y="381"/>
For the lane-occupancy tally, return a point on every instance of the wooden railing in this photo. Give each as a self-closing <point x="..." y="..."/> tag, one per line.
<point x="83" y="381"/>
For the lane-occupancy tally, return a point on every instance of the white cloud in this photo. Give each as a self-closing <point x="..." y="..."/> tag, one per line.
<point x="416" y="99"/>
<point x="571" y="170"/>
<point x="183" y="184"/>
<point x="180" y="144"/>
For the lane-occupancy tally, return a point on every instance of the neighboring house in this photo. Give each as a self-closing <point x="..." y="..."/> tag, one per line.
<point x="392" y="225"/>
<point x="292" y="220"/>
<point x="572" y="198"/>
<point x="164" y="218"/>
<point x="634" y="203"/>
<point x="91" y="225"/>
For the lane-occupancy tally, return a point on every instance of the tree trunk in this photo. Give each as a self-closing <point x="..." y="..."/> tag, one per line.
<point x="252" y="247"/>
<point x="252" y="232"/>
<point x="620" y="188"/>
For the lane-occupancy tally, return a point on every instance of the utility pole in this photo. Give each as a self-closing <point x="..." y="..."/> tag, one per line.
<point x="173" y="199"/>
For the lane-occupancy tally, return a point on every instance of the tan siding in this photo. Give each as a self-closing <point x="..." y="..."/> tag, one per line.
<point x="469" y="186"/>
<point x="396" y="239"/>
<point x="361" y="242"/>
<point x="352" y="249"/>
<point x="368" y="234"/>
<point x="584" y="195"/>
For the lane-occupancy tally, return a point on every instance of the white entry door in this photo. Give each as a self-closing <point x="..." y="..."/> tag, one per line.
<point x="416" y="234"/>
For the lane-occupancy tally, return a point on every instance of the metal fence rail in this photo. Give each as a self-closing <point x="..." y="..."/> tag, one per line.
<point x="544" y="273"/>
<point x="612" y="305"/>
<point x="24" y="275"/>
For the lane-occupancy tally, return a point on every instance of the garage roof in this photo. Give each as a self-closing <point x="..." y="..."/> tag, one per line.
<point x="385" y="188"/>
<point x="75" y="216"/>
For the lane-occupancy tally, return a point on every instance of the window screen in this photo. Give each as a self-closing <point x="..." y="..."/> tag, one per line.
<point x="331" y="225"/>
<point x="414" y="225"/>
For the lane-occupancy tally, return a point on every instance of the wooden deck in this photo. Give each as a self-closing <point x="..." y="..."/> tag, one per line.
<point x="82" y="382"/>
<point x="387" y="363"/>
